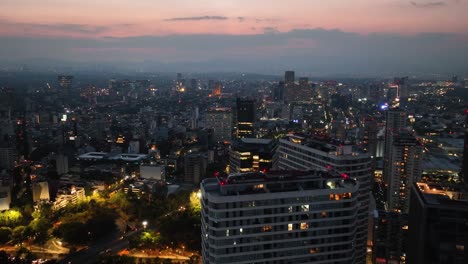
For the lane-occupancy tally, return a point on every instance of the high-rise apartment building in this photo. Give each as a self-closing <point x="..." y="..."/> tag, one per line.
<point x="438" y="225"/>
<point x="404" y="161"/>
<point x="220" y="120"/>
<point x="245" y="118"/>
<point x="307" y="152"/>
<point x="280" y="217"/>
<point x="395" y="122"/>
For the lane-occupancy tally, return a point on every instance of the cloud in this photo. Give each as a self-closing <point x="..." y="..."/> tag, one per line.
<point x="197" y="18"/>
<point x="428" y="4"/>
<point x="58" y="27"/>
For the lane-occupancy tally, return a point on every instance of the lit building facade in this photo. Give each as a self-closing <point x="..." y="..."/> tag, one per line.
<point x="306" y="152"/>
<point x="404" y="167"/>
<point x="280" y="217"/>
<point x="251" y="154"/>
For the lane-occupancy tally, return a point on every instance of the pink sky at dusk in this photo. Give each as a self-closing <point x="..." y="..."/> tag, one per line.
<point x="121" y="18"/>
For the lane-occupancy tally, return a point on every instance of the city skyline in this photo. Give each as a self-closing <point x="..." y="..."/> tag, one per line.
<point x="394" y="36"/>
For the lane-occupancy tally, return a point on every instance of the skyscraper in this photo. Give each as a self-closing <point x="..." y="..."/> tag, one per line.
<point x="280" y="217"/>
<point x="395" y="121"/>
<point x="404" y="163"/>
<point x="245" y="117"/>
<point x="438" y="225"/>
<point x="289" y="77"/>
<point x="307" y="152"/>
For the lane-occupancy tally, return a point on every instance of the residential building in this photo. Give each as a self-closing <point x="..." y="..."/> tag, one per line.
<point x="280" y="217"/>
<point x="305" y="152"/>
<point x="404" y="167"/>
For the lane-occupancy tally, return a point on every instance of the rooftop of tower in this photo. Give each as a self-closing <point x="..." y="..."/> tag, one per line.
<point x="275" y="181"/>
<point x="443" y="195"/>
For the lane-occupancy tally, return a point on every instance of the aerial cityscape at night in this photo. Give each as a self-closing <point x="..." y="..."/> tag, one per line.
<point x="234" y="132"/>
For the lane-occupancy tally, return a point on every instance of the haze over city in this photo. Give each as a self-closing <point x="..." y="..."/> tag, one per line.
<point x="376" y="37"/>
<point x="234" y="131"/>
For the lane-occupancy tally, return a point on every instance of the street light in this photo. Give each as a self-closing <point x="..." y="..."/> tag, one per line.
<point x="145" y="224"/>
<point x="199" y="194"/>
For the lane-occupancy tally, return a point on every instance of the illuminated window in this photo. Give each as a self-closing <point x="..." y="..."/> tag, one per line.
<point x="258" y="186"/>
<point x="241" y="230"/>
<point x="227" y="232"/>
<point x="290" y="209"/>
<point x="266" y="228"/>
<point x="460" y="247"/>
<point x="324" y="214"/>
<point x="313" y="250"/>
<point x="304" y="226"/>
<point x="290" y="227"/>
<point x="305" y="208"/>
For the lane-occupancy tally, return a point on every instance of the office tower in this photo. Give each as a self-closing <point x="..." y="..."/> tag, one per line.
<point x="245" y="117"/>
<point x="289" y="77"/>
<point x="395" y="121"/>
<point x="390" y="237"/>
<point x="280" y="217"/>
<point x="307" y="152"/>
<point x="404" y="163"/>
<point x="438" y="225"/>
<point x="65" y="81"/>
<point x="251" y="154"/>
<point x="195" y="167"/>
<point x="278" y="91"/>
<point x="220" y="120"/>
<point x="369" y="135"/>
<point x="465" y="152"/>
